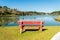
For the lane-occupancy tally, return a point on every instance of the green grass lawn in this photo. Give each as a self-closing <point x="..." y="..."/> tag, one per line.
<point x="12" y="33"/>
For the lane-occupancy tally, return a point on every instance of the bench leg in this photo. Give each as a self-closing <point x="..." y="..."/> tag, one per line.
<point x="21" y="30"/>
<point x="41" y="25"/>
<point x="40" y="29"/>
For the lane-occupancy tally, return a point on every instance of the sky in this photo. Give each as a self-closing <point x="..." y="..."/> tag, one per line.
<point x="32" y="5"/>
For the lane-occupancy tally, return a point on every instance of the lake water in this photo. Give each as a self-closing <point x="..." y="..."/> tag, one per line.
<point x="48" y="20"/>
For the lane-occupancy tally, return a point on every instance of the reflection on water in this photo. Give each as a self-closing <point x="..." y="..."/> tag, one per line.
<point x="48" y="20"/>
<point x="12" y="21"/>
<point x="4" y="20"/>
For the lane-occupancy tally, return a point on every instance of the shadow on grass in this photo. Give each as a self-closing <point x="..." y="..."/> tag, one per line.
<point x="44" y="29"/>
<point x="34" y="30"/>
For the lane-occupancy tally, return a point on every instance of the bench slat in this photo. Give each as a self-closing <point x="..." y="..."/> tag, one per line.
<point x="31" y="24"/>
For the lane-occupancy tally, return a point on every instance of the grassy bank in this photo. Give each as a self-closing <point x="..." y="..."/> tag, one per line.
<point x="12" y="33"/>
<point x="57" y="19"/>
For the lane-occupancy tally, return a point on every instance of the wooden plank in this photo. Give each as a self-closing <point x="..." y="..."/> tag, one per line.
<point x="31" y="27"/>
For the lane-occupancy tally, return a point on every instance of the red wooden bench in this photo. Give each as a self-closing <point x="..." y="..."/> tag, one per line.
<point x="30" y="25"/>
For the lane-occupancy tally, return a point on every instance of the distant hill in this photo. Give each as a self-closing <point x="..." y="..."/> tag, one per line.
<point x="55" y="13"/>
<point x="5" y="11"/>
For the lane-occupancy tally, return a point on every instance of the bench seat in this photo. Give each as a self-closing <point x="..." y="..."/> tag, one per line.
<point x="30" y="24"/>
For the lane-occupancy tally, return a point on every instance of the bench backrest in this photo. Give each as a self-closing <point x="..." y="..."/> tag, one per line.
<point x="31" y="22"/>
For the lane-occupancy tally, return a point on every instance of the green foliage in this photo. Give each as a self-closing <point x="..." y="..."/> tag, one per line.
<point x="14" y="12"/>
<point x="4" y="10"/>
<point x="0" y="6"/>
<point x="55" y="13"/>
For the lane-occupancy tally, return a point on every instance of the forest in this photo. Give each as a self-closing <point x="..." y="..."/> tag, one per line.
<point x="6" y="11"/>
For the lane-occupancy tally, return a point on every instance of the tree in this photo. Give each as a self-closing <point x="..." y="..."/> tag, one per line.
<point x="0" y="6"/>
<point x="5" y="7"/>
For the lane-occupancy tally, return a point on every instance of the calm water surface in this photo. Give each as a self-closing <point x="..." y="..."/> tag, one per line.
<point x="48" y="20"/>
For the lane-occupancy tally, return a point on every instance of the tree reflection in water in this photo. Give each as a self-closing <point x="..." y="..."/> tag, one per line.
<point x="6" y="19"/>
